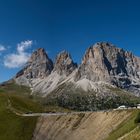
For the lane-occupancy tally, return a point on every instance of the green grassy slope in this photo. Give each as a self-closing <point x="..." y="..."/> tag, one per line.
<point x="13" y="127"/>
<point x="125" y="127"/>
<point x="22" y="100"/>
<point x="12" y="88"/>
<point x="20" y="97"/>
<point x="134" y="135"/>
<point x="24" y="104"/>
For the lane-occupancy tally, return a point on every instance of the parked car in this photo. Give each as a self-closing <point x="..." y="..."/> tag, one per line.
<point x="122" y="107"/>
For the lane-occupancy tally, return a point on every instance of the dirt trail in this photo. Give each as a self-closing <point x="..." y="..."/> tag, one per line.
<point x="84" y="126"/>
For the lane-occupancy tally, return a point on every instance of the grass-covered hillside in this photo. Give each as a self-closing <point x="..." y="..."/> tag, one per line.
<point x="12" y="126"/>
<point x="19" y="94"/>
<point x="66" y="95"/>
<point x="127" y="128"/>
<point x="16" y="98"/>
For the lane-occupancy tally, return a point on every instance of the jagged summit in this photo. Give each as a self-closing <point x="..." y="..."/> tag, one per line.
<point x="38" y="66"/>
<point x="107" y="77"/>
<point x="106" y="58"/>
<point x="103" y="44"/>
<point x="103" y="62"/>
<point x="64" y="63"/>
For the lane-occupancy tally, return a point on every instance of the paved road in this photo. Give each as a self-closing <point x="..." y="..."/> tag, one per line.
<point x="69" y="113"/>
<point x="43" y="114"/>
<point x="53" y="114"/>
<point x="15" y="111"/>
<point x="61" y="114"/>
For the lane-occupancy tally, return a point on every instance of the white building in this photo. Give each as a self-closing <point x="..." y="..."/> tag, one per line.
<point x="122" y="107"/>
<point x="138" y="106"/>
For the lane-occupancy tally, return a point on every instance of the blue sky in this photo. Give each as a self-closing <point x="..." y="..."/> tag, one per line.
<point x="57" y="25"/>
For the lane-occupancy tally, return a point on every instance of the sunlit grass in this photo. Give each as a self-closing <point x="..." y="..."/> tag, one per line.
<point x="124" y="127"/>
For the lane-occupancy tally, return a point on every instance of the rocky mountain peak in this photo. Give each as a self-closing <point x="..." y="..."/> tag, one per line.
<point x="93" y="66"/>
<point x="40" y="52"/>
<point x="99" y="49"/>
<point x="38" y="66"/>
<point x="102" y="62"/>
<point x="105" y="62"/>
<point x="110" y="59"/>
<point x="64" y="63"/>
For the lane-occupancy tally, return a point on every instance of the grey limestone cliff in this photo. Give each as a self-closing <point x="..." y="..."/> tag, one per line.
<point x="105" y="62"/>
<point x="64" y="64"/>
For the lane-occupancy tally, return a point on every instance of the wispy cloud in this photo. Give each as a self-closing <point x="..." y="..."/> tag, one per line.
<point x="19" y="58"/>
<point x="2" y="48"/>
<point x="21" y="47"/>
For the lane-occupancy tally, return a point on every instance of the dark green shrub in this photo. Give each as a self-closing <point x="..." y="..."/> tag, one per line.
<point x="137" y="120"/>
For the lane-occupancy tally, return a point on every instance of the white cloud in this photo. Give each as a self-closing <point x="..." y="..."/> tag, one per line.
<point x="16" y="60"/>
<point x="21" y="47"/>
<point x="19" y="58"/>
<point x="2" y="48"/>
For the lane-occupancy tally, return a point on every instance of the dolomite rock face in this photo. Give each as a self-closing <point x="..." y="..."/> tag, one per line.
<point x="64" y="64"/>
<point x="38" y="66"/>
<point x="63" y="68"/>
<point x="105" y="62"/>
<point x="102" y="64"/>
<point x="40" y="74"/>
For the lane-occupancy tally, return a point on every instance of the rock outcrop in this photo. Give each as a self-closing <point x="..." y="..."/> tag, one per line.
<point x="38" y="66"/>
<point x="64" y="64"/>
<point x="105" y="62"/>
<point x="102" y="63"/>
<point x="63" y="68"/>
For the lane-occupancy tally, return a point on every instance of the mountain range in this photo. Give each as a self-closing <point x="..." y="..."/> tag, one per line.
<point x="107" y="77"/>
